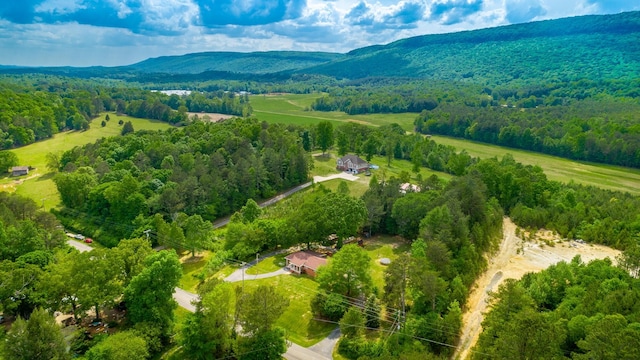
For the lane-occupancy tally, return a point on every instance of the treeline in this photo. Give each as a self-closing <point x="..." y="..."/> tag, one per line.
<point x="571" y="310"/>
<point x="205" y="169"/>
<point x="379" y="102"/>
<point x="599" y="131"/>
<point x="34" y="108"/>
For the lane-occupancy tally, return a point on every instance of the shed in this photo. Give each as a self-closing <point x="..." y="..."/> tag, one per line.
<point x="19" y="170"/>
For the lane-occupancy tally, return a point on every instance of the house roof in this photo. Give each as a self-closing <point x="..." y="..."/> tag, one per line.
<point x="354" y="159"/>
<point x="20" y="168"/>
<point x="308" y="259"/>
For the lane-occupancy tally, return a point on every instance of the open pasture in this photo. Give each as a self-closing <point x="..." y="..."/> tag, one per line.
<point x="293" y="109"/>
<point x="39" y="185"/>
<point x="559" y="169"/>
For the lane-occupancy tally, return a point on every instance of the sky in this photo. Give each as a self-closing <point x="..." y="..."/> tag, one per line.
<point x="123" y="32"/>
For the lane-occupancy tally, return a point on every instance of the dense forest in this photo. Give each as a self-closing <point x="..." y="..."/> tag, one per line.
<point x="571" y="310"/>
<point x="202" y="169"/>
<point x="599" y="131"/>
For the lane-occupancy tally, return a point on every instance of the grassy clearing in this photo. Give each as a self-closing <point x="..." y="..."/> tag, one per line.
<point x="290" y="109"/>
<point x="324" y="165"/>
<point x="38" y="185"/>
<point x="356" y="188"/>
<point x="267" y="265"/>
<point x="297" y="320"/>
<point x="380" y="247"/>
<point x="558" y="169"/>
<point x="191" y="268"/>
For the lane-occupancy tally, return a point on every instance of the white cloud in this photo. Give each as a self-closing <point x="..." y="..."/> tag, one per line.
<point x="70" y="32"/>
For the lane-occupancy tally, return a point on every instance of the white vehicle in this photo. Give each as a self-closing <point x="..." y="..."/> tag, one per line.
<point x="79" y="236"/>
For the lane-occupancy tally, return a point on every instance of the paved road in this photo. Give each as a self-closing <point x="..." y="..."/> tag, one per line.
<point x="297" y="352"/>
<point x="82" y="247"/>
<point x="237" y="275"/>
<point x="325" y="347"/>
<point x="185" y="299"/>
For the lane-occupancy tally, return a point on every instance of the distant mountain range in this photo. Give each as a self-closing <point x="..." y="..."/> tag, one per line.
<point x="598" y="47"/>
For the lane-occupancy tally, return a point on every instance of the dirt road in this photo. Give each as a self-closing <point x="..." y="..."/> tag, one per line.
<point x="514" y="259"/>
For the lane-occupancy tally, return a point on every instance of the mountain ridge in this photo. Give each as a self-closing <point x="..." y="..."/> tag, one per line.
<point x="597" y="47"/>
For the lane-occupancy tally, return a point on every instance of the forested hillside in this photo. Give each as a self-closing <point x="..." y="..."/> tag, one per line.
<point x="591" y="47"/>
<point x="599" y="48"/>
<point x="252" y="63"/>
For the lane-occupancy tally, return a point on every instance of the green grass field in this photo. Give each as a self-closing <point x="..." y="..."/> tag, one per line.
<point x="604" y="176"/>
<point x="290" y="109"/>
<point x="380" y="247"/>
<point x="267" y="265"/>
<point x="191" y="268"/>
<point x="39" y="185"/>
<point x="297" y="320"/>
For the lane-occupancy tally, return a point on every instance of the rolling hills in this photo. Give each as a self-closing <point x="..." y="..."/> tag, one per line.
<point x="597" y="47"/>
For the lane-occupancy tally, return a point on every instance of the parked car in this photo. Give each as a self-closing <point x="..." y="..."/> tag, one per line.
<point x="79" y="236"/>
<point x="88" y="240"/>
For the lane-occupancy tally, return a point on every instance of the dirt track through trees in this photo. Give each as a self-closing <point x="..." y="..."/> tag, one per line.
<point x="514" y="259"/>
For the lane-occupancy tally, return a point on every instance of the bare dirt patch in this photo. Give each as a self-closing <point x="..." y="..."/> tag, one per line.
<point x="515" y="258"/>
<point x="211" y="117"/>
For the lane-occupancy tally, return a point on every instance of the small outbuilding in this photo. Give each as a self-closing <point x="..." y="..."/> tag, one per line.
<point x="19" y="170"/>
<point x="306" y="262"/>
<point x="352" y="164"/>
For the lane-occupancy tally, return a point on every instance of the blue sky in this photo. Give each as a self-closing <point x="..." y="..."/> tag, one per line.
<point x="121" y="32"/>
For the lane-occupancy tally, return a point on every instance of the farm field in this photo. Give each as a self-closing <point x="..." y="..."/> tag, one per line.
<point x="290" y="108"/>
<point x="603" y="176"/>
<point x="39" y="185"/>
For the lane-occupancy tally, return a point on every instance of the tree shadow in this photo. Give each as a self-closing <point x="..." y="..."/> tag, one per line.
<point x="323" y="158"/>
<point x="47" y="176"/>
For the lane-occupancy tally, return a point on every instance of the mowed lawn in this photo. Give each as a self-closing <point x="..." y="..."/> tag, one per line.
<point x="294" y="109"/>
<point x="324" y="165"/>
<point x="559" y="169"/>
<point x="39" y="185"/>
<point x="379" y="247"/>
<point x="298" y="320"/>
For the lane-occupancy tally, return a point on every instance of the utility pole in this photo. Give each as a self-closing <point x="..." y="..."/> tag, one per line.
<point x="243" y="269"/>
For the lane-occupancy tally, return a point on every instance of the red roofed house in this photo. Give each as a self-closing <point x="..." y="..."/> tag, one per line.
<point x="305" y="261"/>
<point x="352" y="164"/>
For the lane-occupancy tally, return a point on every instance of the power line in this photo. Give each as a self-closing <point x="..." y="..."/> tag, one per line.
<point x="408" y="335"/>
